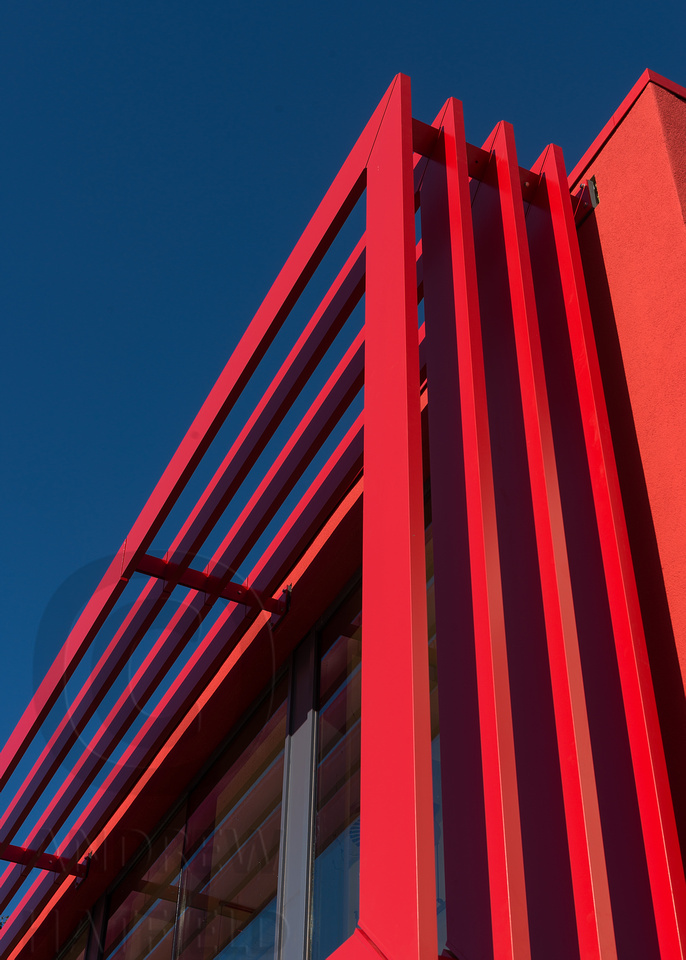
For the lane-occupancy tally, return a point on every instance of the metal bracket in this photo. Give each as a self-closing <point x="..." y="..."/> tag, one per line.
<point x="584" y="200"/>
<point x="44" y="861"/>
<point x="174" y="574"/>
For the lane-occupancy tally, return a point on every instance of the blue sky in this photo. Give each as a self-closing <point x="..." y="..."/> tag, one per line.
<point x="160" y="158"/>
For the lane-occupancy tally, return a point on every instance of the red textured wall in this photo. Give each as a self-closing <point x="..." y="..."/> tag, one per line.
<point x="641" y="239"/>
<point x="634" y="253"/>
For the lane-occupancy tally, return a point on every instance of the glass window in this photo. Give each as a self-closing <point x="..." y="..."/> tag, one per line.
<point x="228" y="899"/>
<point x="208" y="886"/>
<point x="337" y="833"/>
<point x="143" y="909"/>
<point x="77" y="950"/>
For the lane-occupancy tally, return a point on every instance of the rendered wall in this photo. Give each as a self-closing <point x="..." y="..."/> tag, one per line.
<point x="634" y="253"/>
<point x="641" y="178"/>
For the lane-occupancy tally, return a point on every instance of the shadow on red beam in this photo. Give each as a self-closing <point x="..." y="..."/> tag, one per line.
<point x="196" y="580"/>
<point x="425" y="137"/>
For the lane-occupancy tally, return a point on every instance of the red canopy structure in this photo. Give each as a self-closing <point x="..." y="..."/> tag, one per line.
<point x="453" y="675"/>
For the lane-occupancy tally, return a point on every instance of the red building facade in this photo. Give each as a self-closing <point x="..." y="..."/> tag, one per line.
<point x="392" y="662"/>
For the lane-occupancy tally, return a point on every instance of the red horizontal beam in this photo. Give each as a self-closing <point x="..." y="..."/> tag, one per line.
<point x="43" y="861"/>
<point x="212" y="585"/>
<point x="425" y="138"/>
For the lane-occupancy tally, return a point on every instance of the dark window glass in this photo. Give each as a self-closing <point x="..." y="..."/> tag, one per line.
<point x="141" y="923"/>
<point x="77" y="950"/>
<point x="208" y="884"/>
<point x="337" y="835"/>
<point x="227" y="905"/>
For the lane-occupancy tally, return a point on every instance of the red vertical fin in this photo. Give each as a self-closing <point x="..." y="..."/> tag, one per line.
<point x="457" y="348"/>
<point x="450" y="291"/>
<point x="397" y="882"/>
<point x="587" y="859"/>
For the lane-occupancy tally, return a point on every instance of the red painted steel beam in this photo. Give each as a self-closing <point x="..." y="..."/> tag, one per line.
<point x="424" y="140"/>
<point x="459" y="413"/>
<point x="587" y="858"/>
<point x="397" y="881"/>
<point x="357" y="947"/>
<point x="298" y="269"/>
<point x="665" y="867"/>
<point x="80" y="712"/>
<point x="140" y="689"/>
<point x="172" y="573"/>
<point x="43" y="861"/>
<point x="209" y="509"/>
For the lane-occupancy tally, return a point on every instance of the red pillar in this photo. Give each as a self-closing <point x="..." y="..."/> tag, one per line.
<point x="397" y="885"/>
